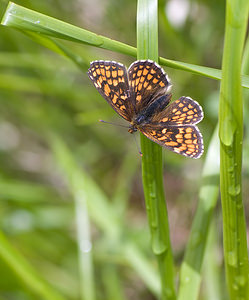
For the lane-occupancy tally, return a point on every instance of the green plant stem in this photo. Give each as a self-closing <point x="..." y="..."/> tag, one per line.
<point x="142" y="267"/>
<point x="87" y="286"/>
<point x="40" y="27"/>
<point x="190" y="273"/>
<point x="77" y="186"/>
<point x="25" y="273"/>
<point x="112" y="283"/>
<point x="105" y="216"/>
<point x="23" y="18"/>
<point x="212" y="273"/>
<point x="231" y="136"/>
<point x="147" y="47"/>
<point x="245" y="62"/>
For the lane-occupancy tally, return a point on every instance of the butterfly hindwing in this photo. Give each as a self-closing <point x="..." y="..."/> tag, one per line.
<point x="148" y="81"/>
<point x="110" y="79"/>
<point x="185" y="140"/>
<point x="183" y="111"/>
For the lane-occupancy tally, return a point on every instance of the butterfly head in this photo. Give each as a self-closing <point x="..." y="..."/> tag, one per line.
<point x="136" y="122"/>
<point x="132" y="127"/>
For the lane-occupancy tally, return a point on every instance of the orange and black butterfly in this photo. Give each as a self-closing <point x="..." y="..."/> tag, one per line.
<point x="141" y="95"/>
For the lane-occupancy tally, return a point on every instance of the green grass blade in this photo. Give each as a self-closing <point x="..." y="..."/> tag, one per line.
<point x="87" y="284"/>
<point x="212" y="273"/>
<point x="59" y="48"/>
<point x="147" y="45"/>
<point x="32" y="60"/>
<point x="77" y="184"/>
<point x="105" y="217"/>
<point x="112" y="283"/>
<point x="27" y="20"/>
<point x="24" y="191"/>
<point x="142" y="266"/>
<point x="190" y="273"/>
<point x="25" y="272"/>
<point x="245" y="62"/>
<point x="231" y="136"/>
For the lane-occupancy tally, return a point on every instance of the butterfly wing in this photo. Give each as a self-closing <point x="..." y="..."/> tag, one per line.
<point x="184" y="111"/>
<point x="174" y="127"/>
<point x="184" y="140"/>
<point x="148" y="81"/>
<point x="110" y="79"/>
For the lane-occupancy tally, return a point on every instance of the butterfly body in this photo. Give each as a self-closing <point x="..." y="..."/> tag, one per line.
<point x="144" y="117"/>
<point x="141" y="95"/>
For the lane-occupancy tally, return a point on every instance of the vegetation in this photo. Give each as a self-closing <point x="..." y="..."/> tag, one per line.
<point x="83" y="216"/>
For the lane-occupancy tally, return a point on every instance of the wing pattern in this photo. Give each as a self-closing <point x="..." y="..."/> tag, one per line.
<point x="141" y="96"/>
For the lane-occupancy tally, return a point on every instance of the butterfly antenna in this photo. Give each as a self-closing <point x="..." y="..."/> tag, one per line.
<point x="139" y="151"/>
<point x="102" y="121"/>
<point x="138" y="148"/>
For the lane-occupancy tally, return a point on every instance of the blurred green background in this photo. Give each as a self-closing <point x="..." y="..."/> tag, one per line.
<point x="49" y="131"/>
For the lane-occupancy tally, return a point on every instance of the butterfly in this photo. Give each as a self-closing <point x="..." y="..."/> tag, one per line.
<point x="141" y="95"/>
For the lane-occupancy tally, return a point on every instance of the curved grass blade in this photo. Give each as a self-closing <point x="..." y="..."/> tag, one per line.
<point x="25" y="272"/>
<point x="27" y="20"/>
<point x="105" y="217"/>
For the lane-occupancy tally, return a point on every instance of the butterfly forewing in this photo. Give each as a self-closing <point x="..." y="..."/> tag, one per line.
<point x="183" y="111"/>
<point x="110" y="79"/>
<point x="185" y="140"/>
<point x="148" y="81"/>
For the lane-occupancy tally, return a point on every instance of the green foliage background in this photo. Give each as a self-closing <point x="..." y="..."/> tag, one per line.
<point x="60" y="166"/>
